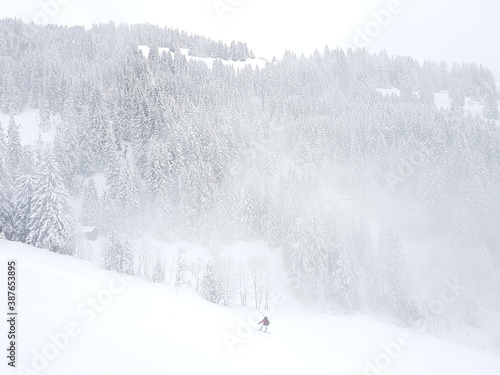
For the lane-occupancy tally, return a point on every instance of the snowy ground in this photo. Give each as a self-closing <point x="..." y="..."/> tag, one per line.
<point x="442" y="100"/>
<point x="28" y="123"/>
<point x="125" y="325"/>
<point x="391" y="91"/>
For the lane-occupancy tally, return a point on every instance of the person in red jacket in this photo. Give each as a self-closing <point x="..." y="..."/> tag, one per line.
<point x="265" y="323"/>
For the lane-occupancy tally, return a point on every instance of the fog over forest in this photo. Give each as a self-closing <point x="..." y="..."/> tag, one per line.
<point x="377" y="194"/>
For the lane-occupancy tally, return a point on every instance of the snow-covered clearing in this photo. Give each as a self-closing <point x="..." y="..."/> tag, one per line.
<point x="261" y="63"/>
<point x="442" y="100"/>
<point x="28" y="122"/>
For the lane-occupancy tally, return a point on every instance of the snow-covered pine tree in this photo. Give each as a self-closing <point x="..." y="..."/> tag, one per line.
<point x="431" y="189"/>
<point x="159" y="185"/>
<point x="180" y="271"/>
<point x="112" y="251"/>
<point x="210" y="288"/>
<point x="3" y="143"/>
<point x="270" y="226"/>
<point x="87" y="155"/>
<point x="346" y="276"/>
<point x="159" y="269"/>
<point x="297" y="256"/>
<point x="66" y="149"/>
<point x="109" y="148"/>
<point x="14" y="148"/>
<point x="491" y="106"/>
<point x="290" y="199"/>
<point x="398" y="293"/>
<point x="476" y="186"/>
<point x="188" y="203"/>
<point x="109" y="213"/>
<point x="357" y="166"/>
<point x="226" y="210"/>
<point x="113" y="170"/>
<point x="129" y="201"/>
<point x="6" y="189"/>
<point x="118" y="254"/>
<point x="6" y="202"/>
<point x="11" y="96"/>
<point x="319" y="276"/>
<point x="248" y="213"/>
<point x="51" y="220"/>
<point x="127" y="256"/>
<point x="140" y="134"/>
<point x="163" y="225"/>
<point x="432" y="194"/>
<point x="44" y="125"/>
<point x="91" y="208"/>
<point x="28" y="161"/>
<point x="97" y="128"/>
<point x="24" y="207"/>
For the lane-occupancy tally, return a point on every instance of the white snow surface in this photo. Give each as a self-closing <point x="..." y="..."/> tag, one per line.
<point x="391" y="91"/>
<point x="140" y="327"/>
<point x="28" y="122"/>
<point x="442" y="100"/>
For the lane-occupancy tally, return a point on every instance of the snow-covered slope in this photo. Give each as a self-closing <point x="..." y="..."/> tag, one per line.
<point x="125" y="325"/>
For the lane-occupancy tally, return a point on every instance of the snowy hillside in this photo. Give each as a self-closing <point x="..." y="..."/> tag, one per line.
<point x="125" y="325"/>
<point x="198" y="188"/>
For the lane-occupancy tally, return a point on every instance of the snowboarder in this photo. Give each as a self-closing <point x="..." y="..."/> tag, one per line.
<point x="265" y="323"/>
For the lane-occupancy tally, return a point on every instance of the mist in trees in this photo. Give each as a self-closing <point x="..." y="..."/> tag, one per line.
<point x="305" y="154"/>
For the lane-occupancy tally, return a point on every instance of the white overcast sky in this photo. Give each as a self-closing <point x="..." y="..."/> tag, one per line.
<point x="451" y="30"/>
